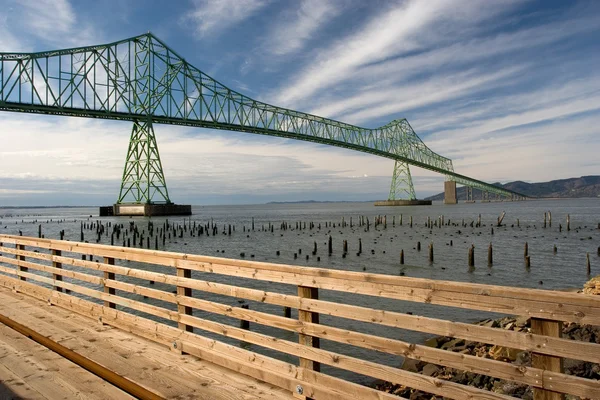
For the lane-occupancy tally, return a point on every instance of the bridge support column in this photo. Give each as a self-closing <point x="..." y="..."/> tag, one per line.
<point x="402" y="191"/>
<point x="450" y="192"/>
<point x="144" y="188"/>
<point x="402" y="186"/>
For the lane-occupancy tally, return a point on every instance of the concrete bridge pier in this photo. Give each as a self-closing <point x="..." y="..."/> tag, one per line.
<point x="450" y="192"/>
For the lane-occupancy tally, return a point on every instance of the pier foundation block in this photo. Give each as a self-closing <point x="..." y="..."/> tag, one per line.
<point x="146" y="210"/>
<point x="450" y="192"/>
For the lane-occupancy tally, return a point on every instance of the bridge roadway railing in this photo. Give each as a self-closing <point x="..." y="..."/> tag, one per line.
<point x="192" y="304"/>
<point x="141" y="78"/>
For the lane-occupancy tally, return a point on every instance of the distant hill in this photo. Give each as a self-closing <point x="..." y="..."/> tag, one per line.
<point x="585" y="186"/>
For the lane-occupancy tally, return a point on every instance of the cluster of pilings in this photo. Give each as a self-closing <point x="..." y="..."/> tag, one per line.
<point x="150" y="234"/>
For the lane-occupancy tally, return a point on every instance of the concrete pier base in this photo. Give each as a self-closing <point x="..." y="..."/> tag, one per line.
<point x="146" y="210"/>
<point x="450" y="192"/>
<point x="403" y="203"/>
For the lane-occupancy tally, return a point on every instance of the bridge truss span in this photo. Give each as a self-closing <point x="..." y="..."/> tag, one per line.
<point x="142" y="80"/>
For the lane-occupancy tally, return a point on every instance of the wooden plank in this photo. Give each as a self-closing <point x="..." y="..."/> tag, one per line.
<point x="140" y="360"/>
<point x="14" y="387"/>
<point x="171" y="258"/>
<point x="513" y="339"/>
<point x="167" y="258"/>
<point x="55" y="376"/>
<point x="53" y="270"/>
<point x="106" y="297"/>
<point x="483" y="299"/>
<point x="432" y="385"/>
<point x="544" y="362"/>
<point x="25" y="275"/>
<point x="556" y="381"/>
<point x="523" y="375"/>
<point x="264" y="368"/>
<point x="109" y="276"/>
<point x="520" y="374"/>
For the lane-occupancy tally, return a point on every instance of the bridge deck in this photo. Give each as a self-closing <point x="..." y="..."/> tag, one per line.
<point x="31" y="371"/>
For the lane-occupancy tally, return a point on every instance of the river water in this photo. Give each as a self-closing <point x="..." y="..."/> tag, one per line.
<point x="381" y="245"/>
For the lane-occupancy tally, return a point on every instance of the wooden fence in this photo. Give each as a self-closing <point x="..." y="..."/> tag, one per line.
<point x="57" y="271"/>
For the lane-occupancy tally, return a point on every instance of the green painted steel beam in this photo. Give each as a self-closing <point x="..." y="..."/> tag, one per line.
<point x="142" y="79"/>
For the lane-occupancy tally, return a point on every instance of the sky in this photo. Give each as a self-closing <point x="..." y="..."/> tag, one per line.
<point x="508" y="89"/>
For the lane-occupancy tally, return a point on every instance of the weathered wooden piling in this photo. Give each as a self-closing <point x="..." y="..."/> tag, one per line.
<point x="330" y="245"/>
<point x="568" y="222"/>
<point x="431" y="252"/>
<point x="471" y="256"/>
<point x="528" y="262"/>
<point x="555" y="249"/>
<point x="501" y="218"/>
<point x="401" y="257"/>
<point x="418" y="246"/>
<point x="287" y="312"/>
<point x="589" y="269"/>
<point x="526" y="251"/>
<point x="490" y="256"/>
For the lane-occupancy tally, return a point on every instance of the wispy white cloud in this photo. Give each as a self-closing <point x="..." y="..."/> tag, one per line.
<point x="390" y="33"/>
<point x="49" y="17"/>
<point x="52" y="22"/>
<point x="297" y="26"/>
<point x="214" y="16"/>
<point x="378" y="102"/>
<point x="8" y="40"/>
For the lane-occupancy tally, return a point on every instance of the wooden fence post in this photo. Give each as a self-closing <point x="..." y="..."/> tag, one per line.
<point x="109" y="275"/>
<point x="21" y="258"/>
<point x="307" y="340"/>
<point x="545" y="362"/>
<point x="57" y="277"/>
<point x="187" y="292"/>
<point x="308" y="316"/>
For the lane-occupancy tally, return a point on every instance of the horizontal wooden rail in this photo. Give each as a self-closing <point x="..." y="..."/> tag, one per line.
<point x="113" y="285"/>
<point x="513" y="339"/>
<point x="532" y="302"/>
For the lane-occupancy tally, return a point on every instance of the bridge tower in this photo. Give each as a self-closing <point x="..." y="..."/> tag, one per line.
<point x="143" y="178"/>
<point x="402" y="186"/>
<point x="144" y="187"/>
<point x="402" y="190"/>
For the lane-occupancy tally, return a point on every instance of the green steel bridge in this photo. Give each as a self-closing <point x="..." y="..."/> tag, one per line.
<point x="142" y="80"/>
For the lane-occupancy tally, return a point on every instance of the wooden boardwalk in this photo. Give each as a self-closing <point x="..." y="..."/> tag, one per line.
<point x="29" y="370"/>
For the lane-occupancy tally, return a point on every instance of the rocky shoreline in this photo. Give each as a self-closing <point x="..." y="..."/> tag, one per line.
<point x="585" y="333"/>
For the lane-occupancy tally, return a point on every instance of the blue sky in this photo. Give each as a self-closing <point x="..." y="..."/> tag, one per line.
<point x="509" y="90"/>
